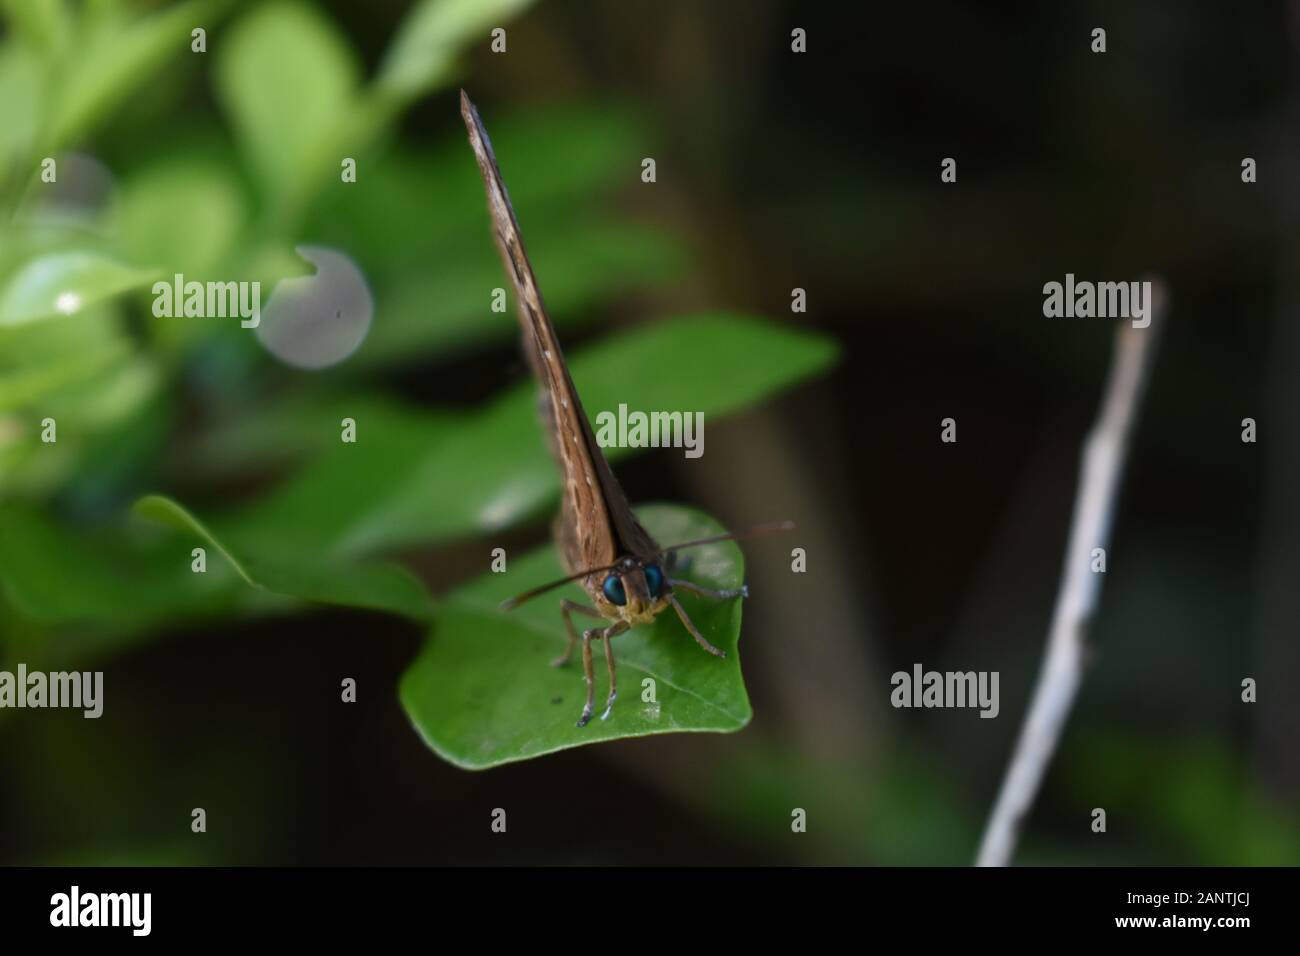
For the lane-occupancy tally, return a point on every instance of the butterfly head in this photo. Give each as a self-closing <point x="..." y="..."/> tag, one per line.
<point x="633" y="590"/>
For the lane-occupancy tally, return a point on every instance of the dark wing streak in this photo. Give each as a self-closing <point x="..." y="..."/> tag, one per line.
<point x="578" y="453"/>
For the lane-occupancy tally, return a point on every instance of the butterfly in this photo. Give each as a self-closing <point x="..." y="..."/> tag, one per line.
<point x="602" y="545"/>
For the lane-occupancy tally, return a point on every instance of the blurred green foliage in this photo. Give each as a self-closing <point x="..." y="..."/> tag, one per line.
<point x="1217" y="814"/>
<point x="289" y="513"/>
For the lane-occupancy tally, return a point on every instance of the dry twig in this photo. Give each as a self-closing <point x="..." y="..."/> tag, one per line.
<point x="1094" y="507"/>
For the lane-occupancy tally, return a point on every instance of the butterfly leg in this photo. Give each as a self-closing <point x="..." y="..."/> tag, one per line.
<point x="618" y="627"/>
<point x="742" y="591"/>
<point x="605" y="633"/>
<point x="589" y="677"/>
<point x="695" y="633"/>
<point x="567" y="608"/>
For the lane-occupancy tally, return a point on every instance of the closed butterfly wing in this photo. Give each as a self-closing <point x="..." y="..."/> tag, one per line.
<point x="596" y="524"/>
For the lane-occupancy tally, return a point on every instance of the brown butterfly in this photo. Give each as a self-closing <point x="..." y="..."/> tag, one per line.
<point x="601" y="543"/>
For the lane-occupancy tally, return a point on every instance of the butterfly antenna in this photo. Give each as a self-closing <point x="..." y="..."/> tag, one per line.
<point x="511" y="603"/>
<point x="754" y="532"/>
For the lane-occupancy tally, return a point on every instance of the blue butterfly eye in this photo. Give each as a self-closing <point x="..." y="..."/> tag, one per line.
<point x="613" y="588"/>
<point x="654" y="580"/>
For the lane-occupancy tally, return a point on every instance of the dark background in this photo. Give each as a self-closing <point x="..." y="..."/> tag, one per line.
<point x="821" y="171"/>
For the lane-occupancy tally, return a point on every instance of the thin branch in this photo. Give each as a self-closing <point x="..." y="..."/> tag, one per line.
<point x="1094" y="507"/>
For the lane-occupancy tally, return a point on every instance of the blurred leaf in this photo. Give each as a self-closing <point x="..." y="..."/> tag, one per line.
<point x="566" y="158"/>
<point x="112" y="56"/>
<point x="125" y="453"/>
<point x="495" y="470"/>
<point x="886" y="809"/>
<point x="52" y="574"/>
<point x="423" y="51"/>
<point x="23" y="95"/>
<point x="268" y="432"/>
<point x="43" y="22"/>
<point x="1195" y="791"/>
<point x="380" y="587"/>
<point x="181" y="216"/>
<point x="314" y="508"/>
<point x="482" y="694"/>
<point x="63" y="283"/>
<point x="23" y="387"/>
<point x="103" y="402"/>
<point x="582" y="264"/>
<point x="491" y="469"/>
<point x="287" y="78"/>
<point x="36" y="343"/>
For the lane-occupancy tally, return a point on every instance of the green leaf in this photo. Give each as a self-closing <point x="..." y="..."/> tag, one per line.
<point x="99" y="576"/>
<point x="583" y="263"/>
<point x="899" y="807"/>
<point x="86" y="373"/>
<point x="113" y="57"/>
<point x="287" y="78"/>
<point x="44" y="23"/>
<point x="424" y="50"/>
<point x="568" y="157"/>
<point x="486" y="471"/>
<point x="568" y="160"/>
<point x="19" y="388"/>
<point x="182" y="215"/>
<point x="1192" y="791"/>
<point x="24" y="94"/>
<point x="381" y="587"/>
<point x="313" y="510"/>
<point x="482" y="692"/>
<point x="495" y="470"/>
<point x="64" y="283"/>
<point x="267" y="432"/>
